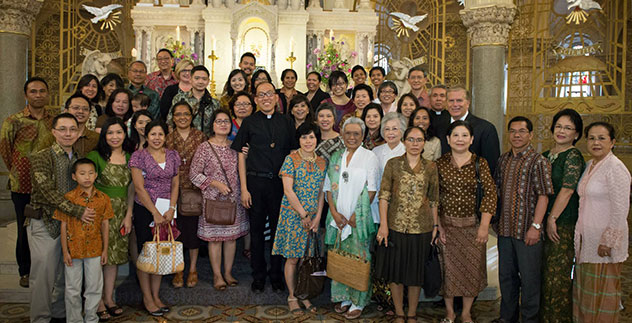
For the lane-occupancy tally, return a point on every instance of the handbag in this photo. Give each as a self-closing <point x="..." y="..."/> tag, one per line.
<point x="346" y="268"/>
<point x="308" y="286"/>
<point x="220" y="212"/>
<point x="480" y="193"/>
<point x="432" y="271"/>
<point x="161" y="257"/>
<point x="190" y="202"/>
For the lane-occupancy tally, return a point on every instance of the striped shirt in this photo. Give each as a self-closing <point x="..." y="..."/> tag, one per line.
<point x="520" y="179"/>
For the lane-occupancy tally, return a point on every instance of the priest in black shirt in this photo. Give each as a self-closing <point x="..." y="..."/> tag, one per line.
<point x="270" y="137"/>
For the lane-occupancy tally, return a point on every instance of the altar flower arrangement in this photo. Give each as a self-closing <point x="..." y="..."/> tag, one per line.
<point x="180" y="50"/>
<point x="332" y="58"/>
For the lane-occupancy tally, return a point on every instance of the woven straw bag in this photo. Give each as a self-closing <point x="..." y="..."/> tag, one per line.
<point x="345" y="268"/>
<point x="161" y="257"/>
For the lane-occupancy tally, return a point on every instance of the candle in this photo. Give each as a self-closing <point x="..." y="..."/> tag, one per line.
<point x="331" y="33"/>
<point x="213" y="42"/>
<point x="178" y="33"/>
<point x="134" y="52"/>
<point x="292" y="45"/>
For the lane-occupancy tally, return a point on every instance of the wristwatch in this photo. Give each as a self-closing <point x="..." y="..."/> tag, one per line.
<point x="537" y="226"/>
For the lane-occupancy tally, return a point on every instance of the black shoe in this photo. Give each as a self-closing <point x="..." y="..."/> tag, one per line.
<point x="156" y="313"/>
<point x="257" y="286"/>
<point x="499" y="320"/>
<point x="278" y="286"/>
<point x="58" y="320"/>
<point x="24" y="281"/>
<point x="165" y="309"/>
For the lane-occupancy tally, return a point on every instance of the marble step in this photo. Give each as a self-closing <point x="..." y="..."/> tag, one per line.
<point x="11" y="291"/>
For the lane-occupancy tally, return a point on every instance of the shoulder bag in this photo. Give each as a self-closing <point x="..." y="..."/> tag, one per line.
<point x="220" y="212"/>
<point x="346" y="268"/>
<point x="308" y="285"/>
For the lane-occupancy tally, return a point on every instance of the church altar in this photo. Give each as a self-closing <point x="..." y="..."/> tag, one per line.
<point x="272" y="30"/>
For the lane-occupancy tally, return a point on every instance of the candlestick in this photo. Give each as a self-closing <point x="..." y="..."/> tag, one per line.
<point x="178" y="33"/>
<point x="213" y="58"/>
<point x="214" y="42"/>
<point x="134" y="53"/>
<point x="291" y="59"/>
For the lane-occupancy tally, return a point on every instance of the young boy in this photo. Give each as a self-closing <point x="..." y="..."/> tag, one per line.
<point x="140" y="101"/>
<point x="84" y="246"/>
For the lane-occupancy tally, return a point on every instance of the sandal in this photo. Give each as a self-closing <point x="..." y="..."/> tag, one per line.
<point x="114" y="311"/>
<point x="446" y="320"/>
<point x="104" y="316"/>
<point x="192" y="280"/>
<point x="178" y="280"/>
<point x="399" y="317"/>
<point x="220" y="286"/>
<point x="310" y="308"/>
<point x="353" y="314"/>
<point x="232" y="282"/>
<point x="246" y="253"/>
<point x="414" y="318"/>
<point x="297" y="311"/>
<point x="341" y="309"/>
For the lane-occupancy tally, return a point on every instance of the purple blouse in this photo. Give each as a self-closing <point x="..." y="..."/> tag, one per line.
<point x="157" y="180"/>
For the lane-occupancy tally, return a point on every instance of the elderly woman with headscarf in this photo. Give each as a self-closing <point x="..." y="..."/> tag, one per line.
<point x="351" y="185"/>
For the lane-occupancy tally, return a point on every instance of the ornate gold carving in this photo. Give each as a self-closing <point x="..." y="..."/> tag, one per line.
<point x="488" y="25"/>
<point x="17" y="16"/>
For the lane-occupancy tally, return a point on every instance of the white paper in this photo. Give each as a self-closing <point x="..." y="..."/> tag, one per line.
<point x="346" y="230"/>
<point x="162" y="205"/>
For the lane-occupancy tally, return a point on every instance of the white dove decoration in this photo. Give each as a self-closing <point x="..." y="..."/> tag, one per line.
<point x="579" y="7"/>
<point x="406" y="22"/>
<point x="104" y="14"/>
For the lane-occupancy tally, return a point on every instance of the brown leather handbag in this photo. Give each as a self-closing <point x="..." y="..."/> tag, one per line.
<point x="220" y="212"/>
<point x="190" y="202"/>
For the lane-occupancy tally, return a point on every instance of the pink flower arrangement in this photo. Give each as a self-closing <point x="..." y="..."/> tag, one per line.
<point x="329" y="59"/>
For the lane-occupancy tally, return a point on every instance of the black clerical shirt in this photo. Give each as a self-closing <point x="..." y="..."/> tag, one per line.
<point x="270" y="139"/>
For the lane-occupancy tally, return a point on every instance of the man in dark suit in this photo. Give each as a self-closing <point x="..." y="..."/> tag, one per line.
<point x="485" y="143"/>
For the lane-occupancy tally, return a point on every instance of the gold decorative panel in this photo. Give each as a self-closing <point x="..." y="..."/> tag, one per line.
<point x="553" y="65"/>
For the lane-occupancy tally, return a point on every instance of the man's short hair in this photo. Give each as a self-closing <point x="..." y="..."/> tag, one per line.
<point x="82" y="161"/>
<point x="439" y="86"/>
<point x="137" y="62"/>
<point x="417" y="68"/>
<point x="166" y="51"/>
<point x="248" y="54"/>
<point x="34" y="79"/>
<point x="262" y="83"/>
<point x="200" y="68"/>
<point x="317" y="75"/>
<point x="377" y="68"/>
<point x="74" y="96"/>
<point x="458" y="88"/>
<point x="521" y="119"/>
<point x="64" y="115"/>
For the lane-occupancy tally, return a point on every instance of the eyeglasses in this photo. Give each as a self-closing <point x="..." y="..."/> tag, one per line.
<point x="221" y="122"/>
<point x="137" y="71"/>
<point x="414" y="140"/>
<point x="165" y="59"/>
<point x="78" y="108"/>
<point x="387" y="92"/>
<point x="565" y="128"/>
<point x="185" y="71"/>
<point x="67" y="130"/>
<point x="265" y="95"/>
<point x="182" y="114"/>
<point x="243" y="104"/>
<point x="600" y="138"/>
<point x="339" y="84"/>
<point x="521" y="132"/>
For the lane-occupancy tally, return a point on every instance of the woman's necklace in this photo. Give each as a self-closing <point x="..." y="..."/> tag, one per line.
<point x="310" y="159"/>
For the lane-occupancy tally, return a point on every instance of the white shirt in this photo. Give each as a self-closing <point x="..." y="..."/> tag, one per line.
<point x="383" y="154"/>
<point x="362" y="170"/>
<point x="462" y="118"/>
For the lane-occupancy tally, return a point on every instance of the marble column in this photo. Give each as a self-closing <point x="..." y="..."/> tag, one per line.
<point x="488" y="28"/>
<point x="16" y="18"/>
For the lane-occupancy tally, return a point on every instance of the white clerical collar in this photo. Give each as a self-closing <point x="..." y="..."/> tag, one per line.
<point x="462" y="118"/>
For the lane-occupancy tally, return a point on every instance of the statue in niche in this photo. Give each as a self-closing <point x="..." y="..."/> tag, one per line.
<point x="96" y="62"/>
<point x="399" y="72"/>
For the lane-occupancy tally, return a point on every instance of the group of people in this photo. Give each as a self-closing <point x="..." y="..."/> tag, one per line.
<point x="379" y="178"/>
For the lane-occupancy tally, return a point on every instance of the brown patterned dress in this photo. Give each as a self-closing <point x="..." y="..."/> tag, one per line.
<point x="464" y="259"/>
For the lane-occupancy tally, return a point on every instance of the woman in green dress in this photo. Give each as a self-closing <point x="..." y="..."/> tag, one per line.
<point x="562" y="212"/>
<point x="114" y="178"/>
<point x="350" y="185"/>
